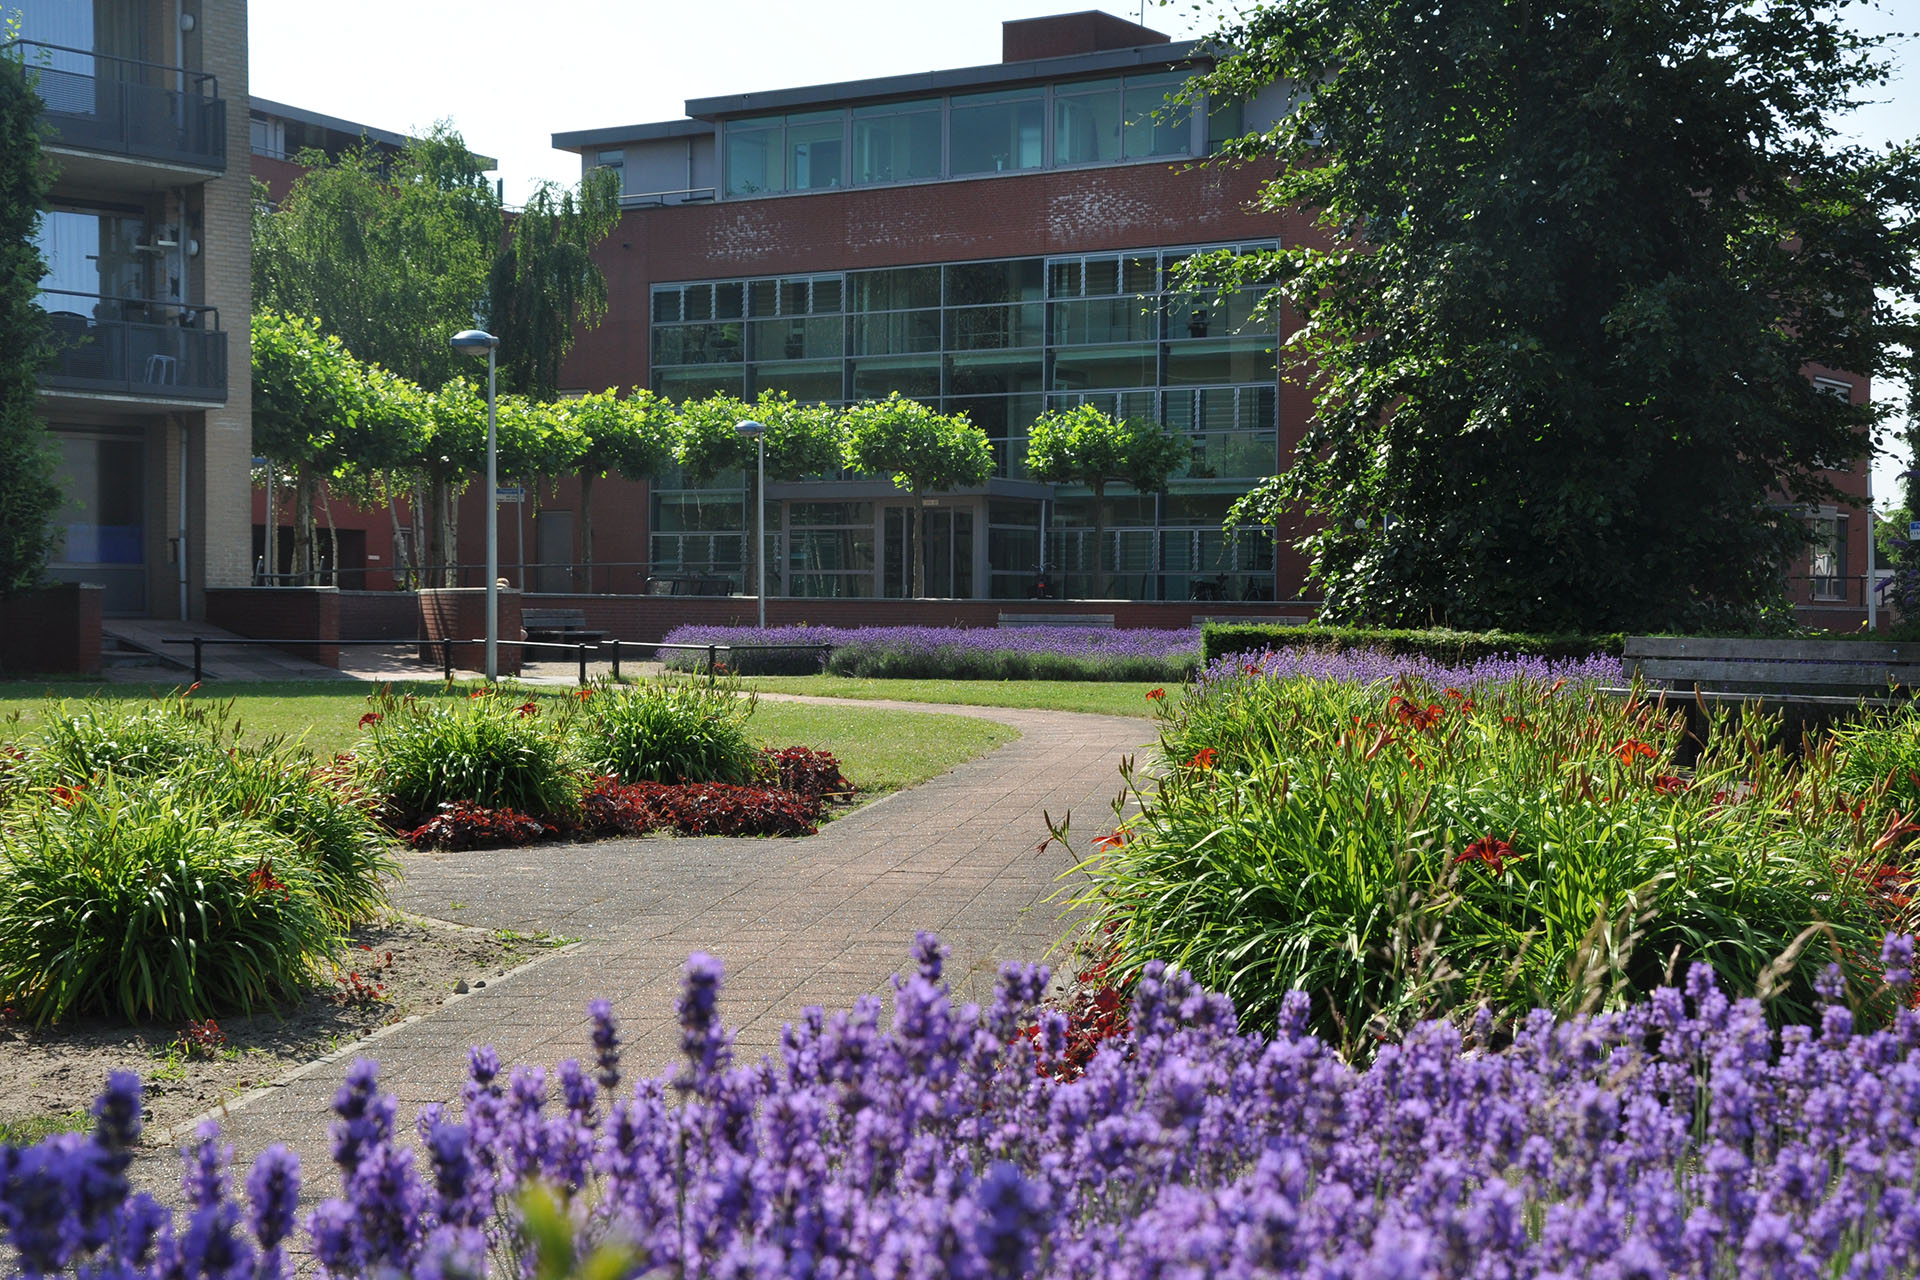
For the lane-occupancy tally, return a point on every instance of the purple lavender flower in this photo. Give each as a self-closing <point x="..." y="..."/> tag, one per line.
<point x="273" y="1193"/>
<point x="366" y="1115"/>
<point x="1896" y="956"/>
<point x="606" y="1045"/>
<point x="703" y="1040"/>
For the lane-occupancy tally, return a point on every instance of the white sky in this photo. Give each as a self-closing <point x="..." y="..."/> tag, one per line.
<point x="510" y="73"/>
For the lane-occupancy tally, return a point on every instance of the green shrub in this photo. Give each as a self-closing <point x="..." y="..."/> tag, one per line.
<point x="195" y="751"/>
<point x="885" y="661"/>
<point x="1217" y="639"/>
<point x="669" y="731"/>
<point x="1401" y="853"/>
<point x="486" y="751"/>
<point x="330" y="821"/>
<point x="77" y="743"/>
<point x="126" y="900"/>
<point x="1877" y="757"/>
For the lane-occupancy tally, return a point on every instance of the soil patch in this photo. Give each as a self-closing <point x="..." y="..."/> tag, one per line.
<point x="393" y="968"/>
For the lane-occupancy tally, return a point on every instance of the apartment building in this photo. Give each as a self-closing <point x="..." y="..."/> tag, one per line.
<point x="995" y="240"/>
<point x="147" y="293"/>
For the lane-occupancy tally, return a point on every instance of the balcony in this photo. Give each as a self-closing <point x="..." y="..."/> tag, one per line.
<point x="108" y="114"/>
<point x="126" y="347"/>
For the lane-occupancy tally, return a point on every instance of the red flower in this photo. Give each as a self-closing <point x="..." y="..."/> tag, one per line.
<point x="1455" y="695"/>
<point x="1155" y="695"/>
<point x="477" y="693"/>
<point x="1490" y="852"/>
<point x="372" y="717"/>
<point x="1632" y="749"/>
<point x="1108" y="843"/>
<point x="529" y="709"/>
<point x="69" y="796"/>
<point x="1668" y="784"/>
<point x="1203" y="758"/>
<point x="1413" y="716"/>
<point x="583" y="694"/>
<point x="262" y="880"/>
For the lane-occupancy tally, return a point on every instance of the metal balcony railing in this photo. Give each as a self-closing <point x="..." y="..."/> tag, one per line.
<point x="125" y="107"/>
<point x="126" y="346"/>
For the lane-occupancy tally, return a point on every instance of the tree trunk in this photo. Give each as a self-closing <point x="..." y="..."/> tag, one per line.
<point x="919" y="586"/>
<point x="401" y="569"/>
<point x="1099" y="539"/>
<point x="333" y="534"/>
<point x="303" y="526"/>
<point x="427" y="521"/>
<point x="586" y="528"/>
<point x="450" y="533"/>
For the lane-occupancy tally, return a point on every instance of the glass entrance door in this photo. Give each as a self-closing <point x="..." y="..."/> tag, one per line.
<point x="101" y="531"/>
<point x="947" y="551"/>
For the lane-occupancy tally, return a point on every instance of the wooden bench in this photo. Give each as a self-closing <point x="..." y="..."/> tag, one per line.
<point x="559" y="626"/>
<point x="1839" y="671"/>
<point x="1097" y="621"/>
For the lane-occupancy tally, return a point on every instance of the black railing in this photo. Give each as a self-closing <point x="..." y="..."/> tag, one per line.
<point x="582" y="650"/>
<point x="127" y="346"/>
<point x="126" y="107"/>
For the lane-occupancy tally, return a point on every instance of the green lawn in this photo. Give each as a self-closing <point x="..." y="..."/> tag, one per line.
<point x="1110" y="698"/>
<point x="880" y="750"/>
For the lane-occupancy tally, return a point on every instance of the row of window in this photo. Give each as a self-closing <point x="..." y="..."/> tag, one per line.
<point x="1127" y="276"/>
<point x="1086" y="122"/>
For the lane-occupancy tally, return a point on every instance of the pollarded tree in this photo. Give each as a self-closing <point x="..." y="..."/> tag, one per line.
<point x="1585" y="252"/>
<point x="801" y="440"/>
<point x="308" y="394"/>
<point x="28" y="495"/>
<point x="921" y="450"/>
<point x="1082" y="445"/>
<point x="631" y="437"/>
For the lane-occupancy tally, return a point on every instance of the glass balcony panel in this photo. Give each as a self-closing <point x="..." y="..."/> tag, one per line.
<point x="125" y="107"/>
<point x="127" y="347"/>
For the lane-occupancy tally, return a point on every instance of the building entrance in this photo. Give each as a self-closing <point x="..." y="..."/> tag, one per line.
<point x="947" y="542"/>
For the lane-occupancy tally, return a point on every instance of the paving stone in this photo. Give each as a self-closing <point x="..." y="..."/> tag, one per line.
<point x="818" y="920"/>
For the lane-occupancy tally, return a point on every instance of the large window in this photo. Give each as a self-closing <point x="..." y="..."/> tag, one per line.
<point x="898" y="142"/>
<point x="1112" y="120"/>
<point x="999" y="341"/>
<point x="996" y="132"/>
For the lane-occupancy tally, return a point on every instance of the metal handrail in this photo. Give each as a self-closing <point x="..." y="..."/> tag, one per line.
<point x="196" y="308"/>
<point x="201" y="79"/>
<point x="636" y="197"/>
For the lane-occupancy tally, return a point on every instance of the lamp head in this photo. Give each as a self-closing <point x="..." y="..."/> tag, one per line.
<point x="750" y="429"/>
<point x="473" y="342"/>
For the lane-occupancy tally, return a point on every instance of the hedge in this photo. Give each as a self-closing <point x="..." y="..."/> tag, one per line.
<point x="1217" y="639"/>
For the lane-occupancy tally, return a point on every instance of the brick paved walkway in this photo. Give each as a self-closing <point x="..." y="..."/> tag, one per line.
<point x="798" y="922"/>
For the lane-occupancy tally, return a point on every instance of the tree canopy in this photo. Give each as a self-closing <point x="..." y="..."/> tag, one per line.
<point x="920" y="449"/>
<point x="396" y="254"/>
<point x="28" y="495"/>
<point x="1584" y="254"/>
<point x="1083" y="445"/>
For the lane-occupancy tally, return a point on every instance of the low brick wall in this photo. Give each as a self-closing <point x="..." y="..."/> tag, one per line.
<point x="460" y="613"/>
<point x="649" y="618"/>
<point x="282" y="613"/>
<point x="55" y="630"/>
<point x="379" y="615"/>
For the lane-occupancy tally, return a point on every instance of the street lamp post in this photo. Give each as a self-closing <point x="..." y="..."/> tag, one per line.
<point x="758" y="433"/>
<point x="477" y="342"/>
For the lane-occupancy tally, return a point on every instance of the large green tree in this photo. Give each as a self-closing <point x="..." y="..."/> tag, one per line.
<point x="1583" y="256"/>
<point x="545" y="285"/>
<point x="630" y="436"/>
<point x="391" y="254"/>
<point x="921" y="450"/>
<point x="1082" y="445"/>
<point x="28" y="495"/>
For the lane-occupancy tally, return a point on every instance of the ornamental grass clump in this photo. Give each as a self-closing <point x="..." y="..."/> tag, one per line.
<point x="1679" y="1137"/>
<point x="486" y="750"/>
<point x="1878" y="755"/>
<point x="1399" y="850"/>
<point x="143" y="903"/>
<point x="196" y="753"/>
<point x="668" y="730"/>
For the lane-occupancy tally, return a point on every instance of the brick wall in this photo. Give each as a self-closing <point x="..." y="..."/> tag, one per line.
<point x="379" y="615"/>
<point x="649" y="618"/>
<point x="222" y="448"/>
<point x="56" y="629"/>
<point x="460" y="613"/>
<point x="274" y="613"/>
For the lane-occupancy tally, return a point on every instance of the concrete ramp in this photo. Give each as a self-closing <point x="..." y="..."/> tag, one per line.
<point x="164" y="642"/>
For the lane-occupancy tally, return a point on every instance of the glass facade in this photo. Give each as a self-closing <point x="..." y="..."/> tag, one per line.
<point x="1115" y="120"/>
<point x="1000" y="341"/>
